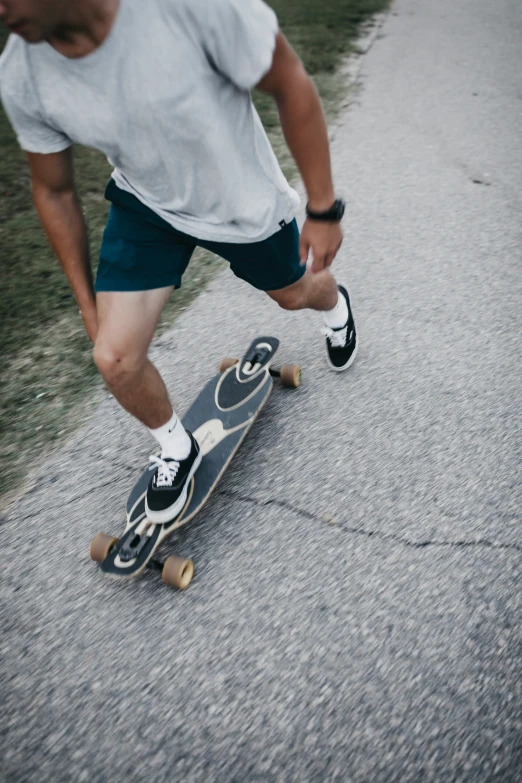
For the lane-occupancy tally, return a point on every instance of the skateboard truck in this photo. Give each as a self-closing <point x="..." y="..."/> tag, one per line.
<point x="131" y="549"/>
<point x="256" y="358"/>
<point x="175" y="571"/>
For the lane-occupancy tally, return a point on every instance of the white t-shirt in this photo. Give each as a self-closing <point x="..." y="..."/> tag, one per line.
<point x="166" y="97"/>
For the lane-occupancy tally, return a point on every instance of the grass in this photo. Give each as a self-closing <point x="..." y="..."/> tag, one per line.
<point x="48" y="382"/>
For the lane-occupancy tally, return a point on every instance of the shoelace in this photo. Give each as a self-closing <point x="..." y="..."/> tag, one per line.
<point x="337" y="337"/>
<point x="167" y="471"/>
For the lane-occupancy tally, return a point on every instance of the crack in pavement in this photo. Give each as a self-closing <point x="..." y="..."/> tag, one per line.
<point x="376" y="534"/>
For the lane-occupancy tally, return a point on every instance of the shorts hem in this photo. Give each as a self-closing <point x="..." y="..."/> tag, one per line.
<point x="107" y="286"/>
<point x="298" y="274"/>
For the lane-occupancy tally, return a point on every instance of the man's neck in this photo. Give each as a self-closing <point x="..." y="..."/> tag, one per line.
<point x="85" y="27"/>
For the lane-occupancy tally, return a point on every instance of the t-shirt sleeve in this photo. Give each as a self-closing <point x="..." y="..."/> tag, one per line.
<point x="34" y="134"/>
<point x="239" y="39"/>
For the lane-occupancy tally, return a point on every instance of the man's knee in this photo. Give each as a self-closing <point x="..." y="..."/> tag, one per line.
<point x="116" y="365"/>
<point x="291" y="298"/>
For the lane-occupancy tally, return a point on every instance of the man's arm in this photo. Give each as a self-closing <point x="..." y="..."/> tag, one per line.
<point x="306" y="134"/>
<point x="57" y="204"/>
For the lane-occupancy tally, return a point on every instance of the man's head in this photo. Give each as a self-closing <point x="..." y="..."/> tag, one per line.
<point x="34" y="20"/>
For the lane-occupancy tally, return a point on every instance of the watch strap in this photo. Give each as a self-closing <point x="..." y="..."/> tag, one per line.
<point x="332" y="215"/>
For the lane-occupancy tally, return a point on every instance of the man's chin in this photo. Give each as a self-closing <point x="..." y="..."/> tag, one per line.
<point x="28" y="33"/>
<point x="30" y="38"/>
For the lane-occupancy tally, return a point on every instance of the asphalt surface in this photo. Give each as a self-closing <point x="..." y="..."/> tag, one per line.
<point x="355" y="614"/>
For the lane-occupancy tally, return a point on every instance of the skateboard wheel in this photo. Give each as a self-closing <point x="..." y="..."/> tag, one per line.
<point x="177" y="572"/>
<point x="101" y="545"/>
<point x="291" y="375"/>
<point x="226" y="363"/>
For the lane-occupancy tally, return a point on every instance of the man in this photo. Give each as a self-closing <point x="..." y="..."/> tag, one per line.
<point x="163" y="89"/>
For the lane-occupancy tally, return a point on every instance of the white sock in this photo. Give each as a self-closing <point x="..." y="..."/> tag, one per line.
<point x="173" y="439"/>
<point x="337" y="317"/>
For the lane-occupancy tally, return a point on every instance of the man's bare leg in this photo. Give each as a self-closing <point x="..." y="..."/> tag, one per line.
<point x="319" y="291"/>
<point x="126" y="324"/>
<point x="313" y="291"/>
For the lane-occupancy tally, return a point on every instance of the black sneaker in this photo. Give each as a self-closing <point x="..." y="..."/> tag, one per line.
<point x="341" y="344"/>
<point x="168" y="488"/>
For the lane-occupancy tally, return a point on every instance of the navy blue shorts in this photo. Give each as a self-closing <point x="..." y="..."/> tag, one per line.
<point x="141" y="251"/>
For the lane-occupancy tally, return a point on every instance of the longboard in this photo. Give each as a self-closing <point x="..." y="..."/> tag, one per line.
<point x="219" y="418"/>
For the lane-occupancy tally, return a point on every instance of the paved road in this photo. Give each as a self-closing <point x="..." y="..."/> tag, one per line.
<point x="356" y="610"/>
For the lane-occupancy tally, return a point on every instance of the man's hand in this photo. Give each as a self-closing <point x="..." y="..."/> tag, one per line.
<point x="323" y="239"/>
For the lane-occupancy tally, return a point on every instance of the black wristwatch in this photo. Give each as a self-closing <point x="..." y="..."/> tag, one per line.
<point x="332" y="215"/>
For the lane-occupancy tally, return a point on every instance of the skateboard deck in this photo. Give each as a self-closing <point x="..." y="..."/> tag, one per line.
<point x="219" y="419"/>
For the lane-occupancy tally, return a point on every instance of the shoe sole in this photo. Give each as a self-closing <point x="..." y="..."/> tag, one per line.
<point x="168" y="514"/>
